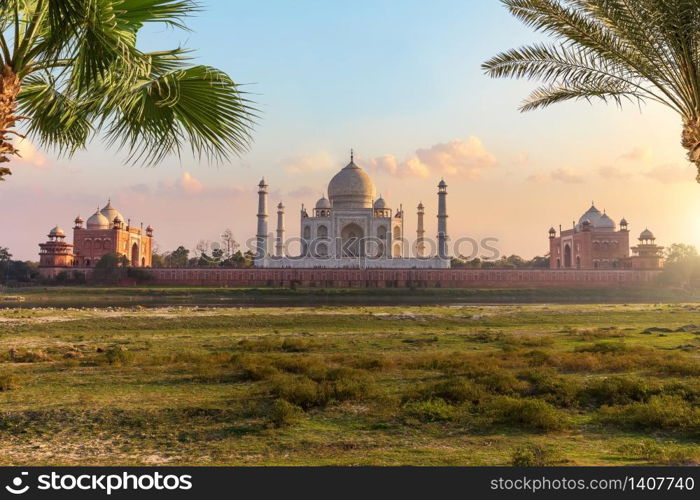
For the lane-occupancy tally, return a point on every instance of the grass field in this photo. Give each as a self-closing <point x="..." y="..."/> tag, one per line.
<point x="421" y="385"/>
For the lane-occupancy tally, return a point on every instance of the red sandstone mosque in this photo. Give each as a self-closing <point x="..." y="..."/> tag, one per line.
<point x="596" y="243"/>
<point x="105" y="232"/>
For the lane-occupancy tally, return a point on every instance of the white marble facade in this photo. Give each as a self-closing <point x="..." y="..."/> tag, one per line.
<point x="349" y="229"/>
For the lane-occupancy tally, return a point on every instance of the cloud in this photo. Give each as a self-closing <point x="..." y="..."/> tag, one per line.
<point x="303" y="164"/>
<point x="464" y="158"/>
<point x="611" y="172"/>
<point x="670" y="173"/>
<point x="388" y="164"/>
<point x="565" y="174"/>
<point x="643" y="155"/>
<point x="185" y="184"/>
<point x="30" y="155"/>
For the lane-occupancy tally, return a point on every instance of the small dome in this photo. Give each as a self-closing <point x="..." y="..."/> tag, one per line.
<point x="280" y="206"/>
<point x="149" y="228"/>
<point x="623" y="222"/>
<point x="97" y="221"/>
<point x="605" y="222"/>
<point x="552" y="230"/>
<point x="380" y="203"/>
<point x="110" y="212"/>
<point x="79" y="220"/>
<point x="586" y="222"/>
<point x="323" y="202"/>
<point x="420" y="206"/>
<point x="592" y="215"/>
<point x="442" y="183"/>
<point x="647" y="235"/>
<point x="56" y="231"/>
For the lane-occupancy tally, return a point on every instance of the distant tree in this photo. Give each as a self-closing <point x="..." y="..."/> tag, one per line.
<point x="179" y="257"/>
<point x="158" y="260"/>
<point x="5" y="255"/>
<point x="110" y="268"/>
<point x="681" y="265"/>
<point x="229" y="243"/>
<point x="539" y="262"/>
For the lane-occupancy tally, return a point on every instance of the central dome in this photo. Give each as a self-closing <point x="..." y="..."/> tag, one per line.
<point x="351" y="188"/>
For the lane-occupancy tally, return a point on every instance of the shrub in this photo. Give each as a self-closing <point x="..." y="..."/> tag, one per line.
<point x="551" y="387"/>
<point x="660" y="413"/>
<point x="284" y="413"/>
<point x="656" y="453"/>
<point x="532" y="414"/>
<point x="27" y="356"/>
<point x="453" y="390"/>
<point x="9" y="382"/>
<point x="255" y="368"/>
<point x="298" y="390"/>
<point x="617" y="390"/>
<point x="534" y="455"/>
<point x="605" y="347"/>
<point x="295" y="345"/>
<point x="435" y="410"/>
<point x="502" y="382"/>
<point x="312" y="367"/>
<point x="118" y="356"/>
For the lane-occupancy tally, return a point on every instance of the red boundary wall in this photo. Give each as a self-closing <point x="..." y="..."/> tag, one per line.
<point x="403" y="278"/>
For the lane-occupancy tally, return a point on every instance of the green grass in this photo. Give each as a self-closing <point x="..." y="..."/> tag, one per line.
<point x="350" y="385"/>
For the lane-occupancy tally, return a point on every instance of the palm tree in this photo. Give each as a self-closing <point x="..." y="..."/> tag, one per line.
<point x="612" y="50"/>
<point x="71" y="69"/>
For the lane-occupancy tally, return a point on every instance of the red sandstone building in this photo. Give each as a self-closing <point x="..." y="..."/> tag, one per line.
<point x="596" y="243"/>
<point x="105" y="232"/>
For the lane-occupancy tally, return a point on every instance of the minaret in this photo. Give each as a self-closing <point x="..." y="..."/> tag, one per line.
<point x="261" y="236"/>
<point x="442" y="220"/>
<point x="279" y="242"/>
<point x="420" y="232"/>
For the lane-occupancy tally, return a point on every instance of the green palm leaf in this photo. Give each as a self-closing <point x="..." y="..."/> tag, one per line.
<point x="614" y="51"/>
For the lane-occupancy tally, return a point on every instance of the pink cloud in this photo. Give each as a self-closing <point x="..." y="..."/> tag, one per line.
<point x="28" y="154"/>
<point x="304" y="164"/>
<point x="463" y="158"/>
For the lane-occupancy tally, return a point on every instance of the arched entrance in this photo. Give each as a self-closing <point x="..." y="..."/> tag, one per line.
<point x="135" y="255"/>
<point x="567" y="256"/>
<point x="351" y="238"/>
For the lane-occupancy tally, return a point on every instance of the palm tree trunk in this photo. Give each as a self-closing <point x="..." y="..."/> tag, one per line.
<point x="9" y="88"/>
<point x="691" y="142"/>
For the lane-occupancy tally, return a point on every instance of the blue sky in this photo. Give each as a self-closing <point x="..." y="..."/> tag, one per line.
<point x="399" y="81"/>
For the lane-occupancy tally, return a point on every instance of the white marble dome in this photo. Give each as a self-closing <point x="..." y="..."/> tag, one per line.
<point x="111" y="213"/>
<point x="605" y="222"/>
<point x="98" y="221"/>
<point x="351" y="188"/>
<point x="592" y="214"/>
<point x="646" y="235"/>
<point x="57" y="231"/>
<point x="380" y="203"/>
<point x="323" y="202"/>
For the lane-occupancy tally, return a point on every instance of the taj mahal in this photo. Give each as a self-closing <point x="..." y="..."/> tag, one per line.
<point x="351" y="228"/>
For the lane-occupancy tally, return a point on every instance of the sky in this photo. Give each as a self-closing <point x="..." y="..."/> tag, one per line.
<point x="401" y="83"/>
